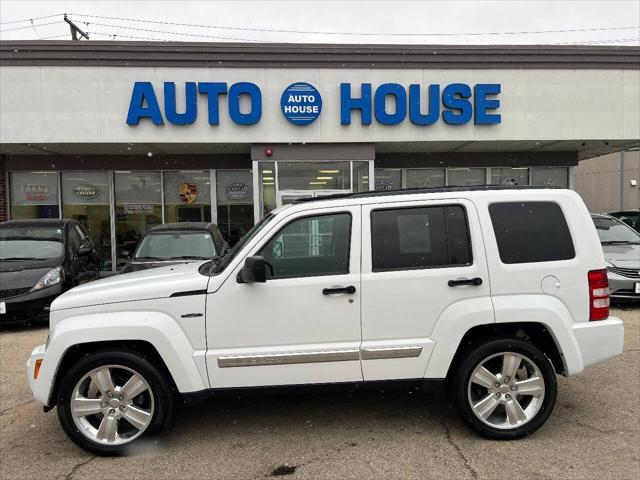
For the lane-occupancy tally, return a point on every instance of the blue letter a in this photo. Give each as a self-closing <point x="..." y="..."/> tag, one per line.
<point x="143" y="91"/>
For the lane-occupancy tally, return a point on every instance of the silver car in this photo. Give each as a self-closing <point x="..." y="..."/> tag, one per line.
<point x="621" y="246"/>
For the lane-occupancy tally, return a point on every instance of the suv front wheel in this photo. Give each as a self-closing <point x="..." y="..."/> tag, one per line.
<point x="504" y="389"/>
<point x="109" y="400"/>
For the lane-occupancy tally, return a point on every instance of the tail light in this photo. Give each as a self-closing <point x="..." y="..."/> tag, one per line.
<point x="598" y="295"/>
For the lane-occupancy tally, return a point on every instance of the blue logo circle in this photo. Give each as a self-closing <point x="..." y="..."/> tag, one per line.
<point x="301" y="103"/>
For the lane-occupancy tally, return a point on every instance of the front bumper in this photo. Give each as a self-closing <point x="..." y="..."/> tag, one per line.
<point x="38" y="389"/>
<point x="599" y="340"/>
<point x="30" y="305"/>
<point x="621" y="287"/>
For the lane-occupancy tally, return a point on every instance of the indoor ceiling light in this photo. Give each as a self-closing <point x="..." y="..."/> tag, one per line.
<point x="324" y="178"/>
<point x="267" y="178"/>
<point x="317" y="183"/>
<point x="267" y="171"/>
<point x="328" y="171"/>
<point x="268" y="183"/>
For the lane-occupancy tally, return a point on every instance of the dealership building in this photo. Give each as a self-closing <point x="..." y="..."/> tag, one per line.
<point x="127" y="135"/>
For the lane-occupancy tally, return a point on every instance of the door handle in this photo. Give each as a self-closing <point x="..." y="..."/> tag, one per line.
<point x="336" y="290"/>
<point x="465" y="281"/>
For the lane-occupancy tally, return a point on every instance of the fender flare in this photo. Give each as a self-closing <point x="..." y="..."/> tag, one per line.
<point x="541" y="309"/>
<point x="155" y="328"/>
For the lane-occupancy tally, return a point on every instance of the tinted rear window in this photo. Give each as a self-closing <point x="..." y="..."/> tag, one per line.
<point x="419" y="237"/>
<point x="529" y="232"/>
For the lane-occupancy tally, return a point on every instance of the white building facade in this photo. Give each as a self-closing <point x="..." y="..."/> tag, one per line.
<point x="126" y="135"/>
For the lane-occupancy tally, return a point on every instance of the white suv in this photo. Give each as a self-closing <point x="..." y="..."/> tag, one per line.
<point x="494" y="290"/>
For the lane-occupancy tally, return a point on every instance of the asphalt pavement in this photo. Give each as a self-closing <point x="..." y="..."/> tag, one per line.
<point x="594" y="432"/>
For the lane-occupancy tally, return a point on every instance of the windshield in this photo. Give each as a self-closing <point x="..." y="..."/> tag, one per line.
<point x="231" y="254"/>
<point x="614" y="231"/>
<point x="31" y="243"/>
<point x="176" y="245"/>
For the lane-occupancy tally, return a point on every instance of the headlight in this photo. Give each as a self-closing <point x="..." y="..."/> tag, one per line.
<point x="51" y="278"/>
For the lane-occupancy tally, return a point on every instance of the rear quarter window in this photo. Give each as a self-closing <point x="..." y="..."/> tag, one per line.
<point x="528" y="232"/>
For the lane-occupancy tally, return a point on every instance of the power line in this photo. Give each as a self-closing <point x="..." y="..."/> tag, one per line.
<point x="31" y="19"/>
<point x="32" y="25"/>
<point x="114" y="36"/>
<point x="591" y="42"/>
<point x="197" y="35"/>
<point x="159" y="22"/>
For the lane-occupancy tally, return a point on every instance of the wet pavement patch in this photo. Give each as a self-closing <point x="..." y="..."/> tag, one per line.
<point x="283" y="470"/>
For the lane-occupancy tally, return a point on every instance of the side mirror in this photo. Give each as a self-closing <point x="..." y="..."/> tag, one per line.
<point x="253" y="271"/>
<point x="84" y="251"/>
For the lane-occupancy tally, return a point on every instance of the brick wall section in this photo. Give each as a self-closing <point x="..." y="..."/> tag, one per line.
<point x="3" y="193"/>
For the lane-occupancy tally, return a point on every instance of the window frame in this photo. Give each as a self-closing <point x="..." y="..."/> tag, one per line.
<point x="302" y="217"/>
<point x="564" y="217"/>
<point x="422" y="267"/>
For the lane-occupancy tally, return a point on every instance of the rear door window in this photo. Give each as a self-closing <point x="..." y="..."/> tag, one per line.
<point x="528" y="232"/>
<point x="419" y="237"/>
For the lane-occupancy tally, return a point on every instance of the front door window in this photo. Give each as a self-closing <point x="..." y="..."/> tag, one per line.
<point x="310" y="246"/>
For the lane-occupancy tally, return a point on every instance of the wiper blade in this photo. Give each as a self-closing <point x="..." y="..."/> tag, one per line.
<point x="620" y="242"/>
<point x="189" y="257"/>
<point x="151" y="258"/>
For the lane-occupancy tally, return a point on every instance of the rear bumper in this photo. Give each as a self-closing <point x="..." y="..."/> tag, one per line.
<point x="600" y="340"/>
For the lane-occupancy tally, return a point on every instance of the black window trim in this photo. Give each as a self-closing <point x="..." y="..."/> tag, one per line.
<point x="446" y="226"/>
<point x="275" y="235"/>
<point x="564" y="216"/>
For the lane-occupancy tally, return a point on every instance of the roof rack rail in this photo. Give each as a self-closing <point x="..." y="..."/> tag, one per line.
<point x="450" y="188"/>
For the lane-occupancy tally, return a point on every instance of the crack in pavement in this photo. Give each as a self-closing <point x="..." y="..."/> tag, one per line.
<point x="6" y="410"/>
<point x="75" y="468"/>
<point x="452" y="442"/>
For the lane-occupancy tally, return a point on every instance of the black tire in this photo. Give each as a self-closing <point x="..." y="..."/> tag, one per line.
<point x="459" y="387"/>
<point x="161" y="387"/>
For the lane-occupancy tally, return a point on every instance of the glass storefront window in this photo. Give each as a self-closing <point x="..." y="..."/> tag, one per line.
<point x="510" y="176"/>
<point x="361" y="177"/>
<point x="467" y="176"/>
<point x="85" y="197"/>
<point x="314" y="176"/>
<point x="234" y="191"/>
<point x="187" y="196"/>
<point x="138" y="207"/>
<point x="34" y="195"/>
<point x="424" y="177"/>
<point x="550" y="176"/>
<point x="268" y="185"/>
<point x="388" y="178"/>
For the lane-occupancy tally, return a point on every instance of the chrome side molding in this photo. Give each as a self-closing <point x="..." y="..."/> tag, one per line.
<point x="380" y="353"/>
<point x="288" y="358"/>
<point x="373" y="353"/>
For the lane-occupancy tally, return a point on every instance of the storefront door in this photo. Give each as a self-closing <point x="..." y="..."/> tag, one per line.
<point x="281" y="183"/>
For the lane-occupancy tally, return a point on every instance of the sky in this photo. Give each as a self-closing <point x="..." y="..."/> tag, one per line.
<point x="382" y="22"/>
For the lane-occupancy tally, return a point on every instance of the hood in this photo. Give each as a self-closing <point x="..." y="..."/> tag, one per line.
<point x="23" y="274"/>
<point x="137" y="266"/>
<point x="143" y="285"/>
<point x="622" y="256"/>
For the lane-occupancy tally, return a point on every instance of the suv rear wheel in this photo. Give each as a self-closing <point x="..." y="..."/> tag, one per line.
<point x="110" y="400"/>
<point x="505" y="388"/>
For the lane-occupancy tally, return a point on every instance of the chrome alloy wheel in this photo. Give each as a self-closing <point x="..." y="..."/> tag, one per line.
<point x="506" y="390"/>
<point x="112" y="405"/>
